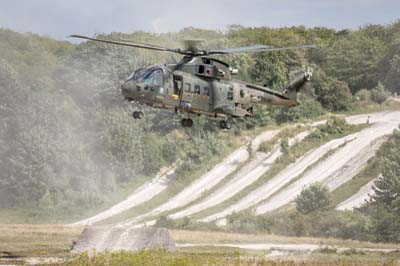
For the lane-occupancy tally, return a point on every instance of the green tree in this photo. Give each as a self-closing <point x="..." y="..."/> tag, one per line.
<point x="384" y="206"/>
<point x="314" y="198"/>
<point x="332" y="93"/>
<point x="387" y="188"/>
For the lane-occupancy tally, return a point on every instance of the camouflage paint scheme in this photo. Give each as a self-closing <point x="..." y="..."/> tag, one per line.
<point x="199" y="84"/>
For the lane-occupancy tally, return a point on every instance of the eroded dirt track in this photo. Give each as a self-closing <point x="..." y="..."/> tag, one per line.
<point x="365" y="143"/>
<point x="210" y="179"/>
<point x="349" y="156"/>
<point x="144" y="193"/>
<point x="250" y="173"/>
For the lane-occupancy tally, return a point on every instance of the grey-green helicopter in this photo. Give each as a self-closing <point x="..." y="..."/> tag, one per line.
<point x="201" y="85"/>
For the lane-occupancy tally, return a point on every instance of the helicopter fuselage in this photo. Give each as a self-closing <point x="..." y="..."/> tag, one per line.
<point x="203" y="85"/>
<point x="200" y="84"/>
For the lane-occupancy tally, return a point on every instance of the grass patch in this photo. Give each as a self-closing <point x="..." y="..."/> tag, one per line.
<point x="37" y="240"/>
<point x="225" y="258"/>
<point x="55" y="241"/>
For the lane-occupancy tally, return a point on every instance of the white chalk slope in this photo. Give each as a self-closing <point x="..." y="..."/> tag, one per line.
<point x="142" y="194"/>
<point x="350" y="156"/>
<point x="209" y="180"/>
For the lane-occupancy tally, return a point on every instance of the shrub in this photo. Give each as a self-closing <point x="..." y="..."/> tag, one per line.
<point x="314" y="198"/>
<point x="333" y="94"/>
<point x="308" y="109"/>
<point x="379" y="94"/>
<point x="284" y="145"/>
<point x="363" y="95"/>
<point x="334" y="127"/>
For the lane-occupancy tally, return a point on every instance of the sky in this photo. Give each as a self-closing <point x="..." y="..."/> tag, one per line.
<point x="60" y="18"/>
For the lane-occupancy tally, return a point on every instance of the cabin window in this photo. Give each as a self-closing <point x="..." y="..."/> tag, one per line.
<point x="201" y="69"/>
<point x="206" y="91"/>
<point x="230" y="94"/>
<point x="159" y="78"/>
<point x="197" y="89"/>
<point x="187" y="87"/>
<point x="177" y="84"/>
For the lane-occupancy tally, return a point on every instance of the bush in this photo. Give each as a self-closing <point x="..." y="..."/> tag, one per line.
<point x="379" y="94"/>
<point x="333" y="94"/>
<point x="314" y="198"/>
<point x="308" y="109"/>
<point x="284" y="145"/>
<point x="363" y="95"/>
<point x="334" y="127"/>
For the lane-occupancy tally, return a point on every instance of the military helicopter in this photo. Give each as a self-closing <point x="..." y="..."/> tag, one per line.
<point x="201" y="85"/>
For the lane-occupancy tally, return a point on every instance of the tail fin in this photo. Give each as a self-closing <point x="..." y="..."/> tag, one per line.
<point x="297" y="83"/>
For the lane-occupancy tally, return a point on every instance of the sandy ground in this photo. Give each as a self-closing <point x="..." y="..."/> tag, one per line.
<point x="144" y="193"/>
<point x="210" y="179"/>
<point x="357" y="199"/>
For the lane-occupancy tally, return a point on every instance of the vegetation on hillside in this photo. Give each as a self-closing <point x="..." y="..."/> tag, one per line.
<point x="312" y="199"/>
<point x="69" y="146"/>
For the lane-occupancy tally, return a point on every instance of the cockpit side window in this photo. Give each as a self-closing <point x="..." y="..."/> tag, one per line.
<point x="154" y="78"/>
<point x="139" y="73"/>
<point x="158" y="78"/>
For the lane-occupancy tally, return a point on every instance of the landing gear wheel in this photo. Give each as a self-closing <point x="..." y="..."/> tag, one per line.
<point x="137" y="115"/>
<point x="225" y="124"/>
<point x="187" y="122"/>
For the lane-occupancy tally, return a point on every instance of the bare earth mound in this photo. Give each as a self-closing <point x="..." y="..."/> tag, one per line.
<point x="101" y="238"/>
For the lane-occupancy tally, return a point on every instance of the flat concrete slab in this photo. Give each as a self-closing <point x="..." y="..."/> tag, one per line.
<point x="113" y="238"/>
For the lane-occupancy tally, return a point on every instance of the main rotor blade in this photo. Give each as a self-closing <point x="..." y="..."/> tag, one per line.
<point x="259" y="48"/>
<point x="129" y="44"/>
<point x="245" y="49"/>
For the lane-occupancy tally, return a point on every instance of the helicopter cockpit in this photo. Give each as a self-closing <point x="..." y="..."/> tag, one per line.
<point x="149" y="76"/>
<point x="149" y="79"/>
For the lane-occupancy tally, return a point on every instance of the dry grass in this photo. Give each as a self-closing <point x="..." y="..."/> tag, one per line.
<point x="55" y="241"/>
<point x="38" y="240"/>
<point x="160" y="258"/>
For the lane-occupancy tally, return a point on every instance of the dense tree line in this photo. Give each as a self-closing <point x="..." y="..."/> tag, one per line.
<point x="68" y="144"/>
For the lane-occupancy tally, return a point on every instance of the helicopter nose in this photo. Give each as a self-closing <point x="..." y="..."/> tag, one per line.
<point x="127" y="89"/>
